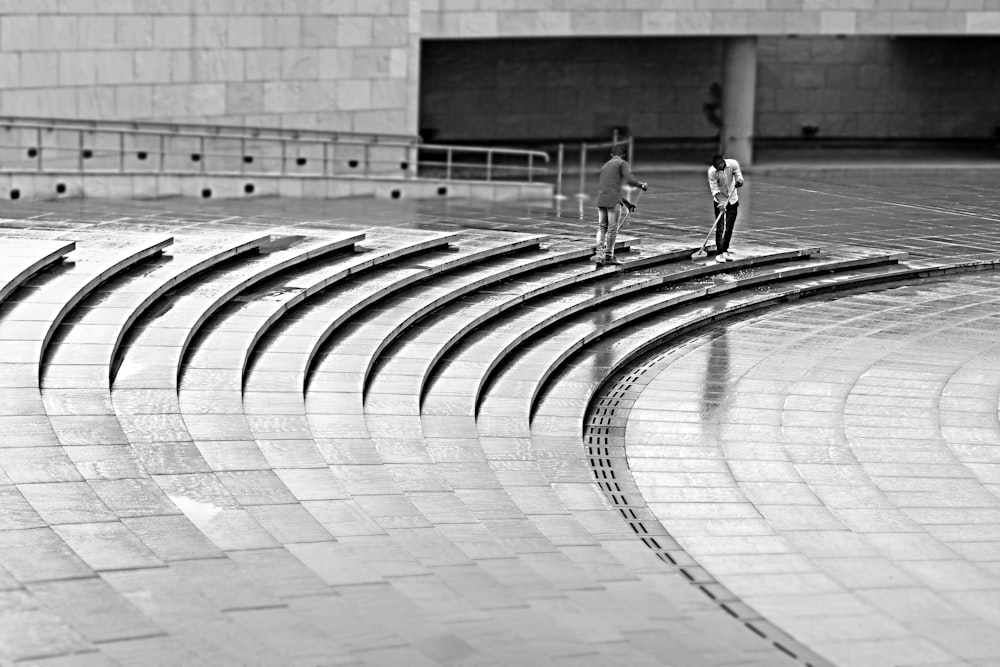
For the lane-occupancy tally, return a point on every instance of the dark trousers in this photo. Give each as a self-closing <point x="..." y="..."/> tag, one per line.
<point x="724" y="230"/>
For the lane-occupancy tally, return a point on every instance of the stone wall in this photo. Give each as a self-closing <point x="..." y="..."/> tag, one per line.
<point x="344" y="64"/>
<point x="920" y="87"/>
<point x="354" y="64"/>
<point x="578" y="88"/>
<point x="600" y="18"/>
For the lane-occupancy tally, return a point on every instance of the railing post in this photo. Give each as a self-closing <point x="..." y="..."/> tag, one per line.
<point x="121" y="152"/>
<point x="531" y="167"/>
<point x="79" y="154"/>
<point x="325" y="144"/>
<point x="413" y="157"/>
<point x="283" y="158"/>
<point x="39" y="140"/>
<point x="489" y="165"/>
<point x="368" y="157"/>
<point x="447" y="169"/>
<point x="583" y="164"/>
<point x="163" y="152"/>
<point x="201" y="147"/>
<point x="243" y="155"/>
<point x="559" y="171"/>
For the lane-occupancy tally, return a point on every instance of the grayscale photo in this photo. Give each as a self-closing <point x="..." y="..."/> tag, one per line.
<point x="499" y="333"/>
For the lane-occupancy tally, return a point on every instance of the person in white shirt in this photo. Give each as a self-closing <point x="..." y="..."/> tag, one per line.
<point x="724" y="178"/>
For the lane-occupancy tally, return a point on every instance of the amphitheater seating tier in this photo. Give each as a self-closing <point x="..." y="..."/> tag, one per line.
<point x="359" y="448"/>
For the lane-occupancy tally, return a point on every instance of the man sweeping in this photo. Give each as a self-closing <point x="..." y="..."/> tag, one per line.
<point x="615" y="173"/>
<point x="724" y="177"/>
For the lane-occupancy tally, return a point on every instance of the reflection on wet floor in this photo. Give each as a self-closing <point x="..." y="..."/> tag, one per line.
<point x="715" y="388"/>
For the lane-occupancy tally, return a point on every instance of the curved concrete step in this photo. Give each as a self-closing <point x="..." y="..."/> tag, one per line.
<point x="506" y="409"/>
<point x="695" y="466"/>
<point x="402" y="312"/>
<point x="360" y="340"/>
<point x="32" y="315"/>
<point x="301" y="337"/>
<point x="22" y="258"/>
<point x="800" y="284"/>
<point x="167" y="333"/>
<point x="104" y="269"/>
<point x="488" y="500"/>
<point x="490" y="348"/>
<point x="220" y="491"/>
<point x="468" y="250"/>
<point x="94" y="333"/>
<point x="265" y="424"/>
<point x="474" y="311"/>
<point x="848" y="268"/>
<point x="147" y="409"/>
<point x="552" y="440"/>
<point x="417" y="494"/>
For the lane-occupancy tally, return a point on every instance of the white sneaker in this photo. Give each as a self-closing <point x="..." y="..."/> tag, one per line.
<point x="719" y="259"/>
<point x="728" y="257"/>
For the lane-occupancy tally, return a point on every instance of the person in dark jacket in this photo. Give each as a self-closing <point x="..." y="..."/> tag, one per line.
<point x="615" y="173"/>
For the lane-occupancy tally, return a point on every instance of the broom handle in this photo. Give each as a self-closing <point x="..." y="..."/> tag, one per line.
<point x="712" y="229"/>
<point x="722" y="212"/>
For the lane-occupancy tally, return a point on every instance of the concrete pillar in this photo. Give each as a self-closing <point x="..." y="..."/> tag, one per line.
<point x="739" y="91"/>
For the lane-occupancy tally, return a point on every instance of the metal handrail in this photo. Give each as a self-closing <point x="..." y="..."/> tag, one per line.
<point x="360" y="156"/>
<point x="325" y="138"/>
<point x="585" y="146"/>
<point x="489" y="152"/>
<point x="207" y="129"/>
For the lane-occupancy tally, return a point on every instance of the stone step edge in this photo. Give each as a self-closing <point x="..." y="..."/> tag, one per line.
<point x="307" y="255"/>
<point x="53" y="256"/>
<point x="556" y="258"/>
<point x="694" y="271"/>
<point x="586" y="274"/>
<point x="726" y="288"/>
<point x="179" y="278"/>
<point x="117" y="264"/>
<point x="350" y="272"/>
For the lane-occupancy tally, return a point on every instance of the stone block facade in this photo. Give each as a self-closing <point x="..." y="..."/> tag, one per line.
<point x="339" y="64"/>
<point x="449" y="19"/>
<point x="354" y="65"/>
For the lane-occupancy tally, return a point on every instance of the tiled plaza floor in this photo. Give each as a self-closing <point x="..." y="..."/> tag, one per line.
<point x="833" y="463"/>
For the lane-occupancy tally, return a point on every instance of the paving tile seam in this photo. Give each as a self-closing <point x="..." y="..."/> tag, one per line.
<point x="603" y="431"/>
<point x="546" y="289"/>
<point x="942" y="429"/>
<point x="556" y="259"/>
<point x="505" y="559"/>
<point x="389" y="255"/>
<point x="599" y="431"/>
<point x="111" y="268"/>
<point x="885" y="237"/>
<point x="551" y="289"/>
<point x="383" y="292"/>
<point x="180" y="278"/>
<point x="709" y="292"/>
<point x="35" y="265"/>
<point x="386" y="292"/>
<point x="267" y="271"/>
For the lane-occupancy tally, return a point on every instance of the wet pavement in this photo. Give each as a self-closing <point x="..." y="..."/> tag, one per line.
<point x="365" y="432"/>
